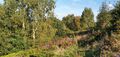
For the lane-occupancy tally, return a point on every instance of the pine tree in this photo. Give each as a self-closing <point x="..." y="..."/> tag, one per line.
<point x="116" y="18"/>
<point x="87" y="19"/>
<point x="104" y="17"/>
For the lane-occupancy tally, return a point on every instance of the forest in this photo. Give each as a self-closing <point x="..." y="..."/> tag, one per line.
<point x="29" y="28"/>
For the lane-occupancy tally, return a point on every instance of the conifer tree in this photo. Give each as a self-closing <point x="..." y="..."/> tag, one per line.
<point x="104" y="17"/>
<point x="87" y="19"/>
<point x="116" y="18"/>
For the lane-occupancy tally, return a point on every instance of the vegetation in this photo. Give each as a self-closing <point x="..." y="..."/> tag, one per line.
<point x="87" y="19"/>
<point x="28" y="28"/>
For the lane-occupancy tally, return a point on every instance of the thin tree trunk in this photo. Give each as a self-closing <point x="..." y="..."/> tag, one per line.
<point x="34" y="34"/>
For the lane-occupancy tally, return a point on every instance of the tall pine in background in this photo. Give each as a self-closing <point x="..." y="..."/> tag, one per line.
<point x="87" y="19"/>
<point x="116" y="18"/>
<point x="104" y="17"/>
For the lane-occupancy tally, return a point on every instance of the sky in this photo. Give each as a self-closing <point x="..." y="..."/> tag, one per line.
<point x="76" y="7"/>
<point x="1" y="1"/>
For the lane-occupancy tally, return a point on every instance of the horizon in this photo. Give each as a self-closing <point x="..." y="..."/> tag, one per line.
<point x="76" y="7"/>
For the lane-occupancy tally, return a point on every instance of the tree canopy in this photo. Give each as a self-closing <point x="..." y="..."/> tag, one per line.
<point x="87" y="19"/>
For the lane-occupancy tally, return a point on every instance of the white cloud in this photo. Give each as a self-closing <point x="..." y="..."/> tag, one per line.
<point x="110" y="6"/>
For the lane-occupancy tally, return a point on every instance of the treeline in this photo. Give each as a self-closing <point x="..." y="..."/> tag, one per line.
<point x="26" y="24"/>
<point x="104" y="42"/>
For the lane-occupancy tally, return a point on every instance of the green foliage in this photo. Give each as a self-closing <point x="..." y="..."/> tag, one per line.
<point x="23" y="25"/>
<point x="116" y="18"/>
<point x="59" y="26"/>
<point x="72" y="22"/>
<point x="104" y="17"/>
<point x="30" y="24"/>
<point x="77" y="23"/>
<point x="68" y="20"/>
<point x="44" y="32"/>
<point x="2" y="12"/>
<point x="69" y="52"/>
<point x="87" y="19"/>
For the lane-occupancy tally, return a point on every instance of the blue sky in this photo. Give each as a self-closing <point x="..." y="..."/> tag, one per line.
<point x="1" y="1"/>
<point x="76" y="7"/>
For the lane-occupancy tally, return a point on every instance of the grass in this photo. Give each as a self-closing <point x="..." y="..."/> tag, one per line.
<point x="71" y="51"/>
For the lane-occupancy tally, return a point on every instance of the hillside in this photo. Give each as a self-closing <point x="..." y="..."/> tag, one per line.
<point x="60" y="47"/>
<point x="31" y="28"/>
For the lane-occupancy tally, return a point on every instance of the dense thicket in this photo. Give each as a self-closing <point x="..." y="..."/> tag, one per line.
<point x="72" y="22"/>
<point x="104" y="42"/>
<point x="24" y="25"/>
